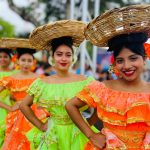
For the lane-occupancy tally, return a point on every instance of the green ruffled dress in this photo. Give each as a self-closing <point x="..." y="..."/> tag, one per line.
<point x="62" y="134"/>
<point x="4" y="97"/>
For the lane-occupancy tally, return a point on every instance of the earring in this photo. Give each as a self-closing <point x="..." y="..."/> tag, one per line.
<point x="111" y="69"/>
<point x="51" y="61"/>
<point x="74" y="59"/>
<point x="74" y="55"/>
<point x="116" y="72"/>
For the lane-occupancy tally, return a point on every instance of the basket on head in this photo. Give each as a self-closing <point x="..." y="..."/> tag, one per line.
<point x="14" y="43"/>
<point x="42" y="36"/>
<point x="135" y="18"/>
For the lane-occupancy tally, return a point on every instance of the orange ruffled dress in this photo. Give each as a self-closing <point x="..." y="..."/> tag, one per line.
<point x="126" y="116"/>
<point x="16" y="123"/>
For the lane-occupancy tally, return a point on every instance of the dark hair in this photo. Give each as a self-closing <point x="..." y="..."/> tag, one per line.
<point x="21" y="51"/>
<point x="132" y="41"/>
<point x="55" y="43"/>
<point x="7" y="51"/>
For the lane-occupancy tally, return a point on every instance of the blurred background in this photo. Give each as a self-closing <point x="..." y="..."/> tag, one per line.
<point x="19" y="17"/>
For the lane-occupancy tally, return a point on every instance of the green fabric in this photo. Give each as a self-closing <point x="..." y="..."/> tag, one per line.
<point x="62" y="134"/>
<point x="4" y="97"/>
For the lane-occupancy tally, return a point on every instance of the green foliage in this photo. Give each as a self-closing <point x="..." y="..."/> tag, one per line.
<point x="6" y="29"/>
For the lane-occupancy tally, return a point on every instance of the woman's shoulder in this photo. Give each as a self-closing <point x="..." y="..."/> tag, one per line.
<point x="78" y="77"/>
<point x="110" y="83"/>
<point x="54" y="79"/>
<point x="18" y="75"/>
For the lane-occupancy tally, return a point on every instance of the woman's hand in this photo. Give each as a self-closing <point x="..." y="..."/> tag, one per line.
<point x="44" y="126"/>
<point x="99" y="140"/>
<point x="15" y="106"/>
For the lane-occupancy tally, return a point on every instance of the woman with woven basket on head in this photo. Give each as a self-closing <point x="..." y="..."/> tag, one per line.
<point x="54" y="91"/>
<point x="5" y="70"/>
<point x="17" y="84"/>
<point x="123" y="104"/>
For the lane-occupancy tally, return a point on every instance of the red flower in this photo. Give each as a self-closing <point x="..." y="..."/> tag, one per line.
<point x="147" y="49"/>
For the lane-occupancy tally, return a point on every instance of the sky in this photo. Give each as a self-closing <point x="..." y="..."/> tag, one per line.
<point x="10" y="16"/>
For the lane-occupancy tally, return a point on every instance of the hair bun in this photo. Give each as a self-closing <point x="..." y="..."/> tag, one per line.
<point x="62" y="41"/>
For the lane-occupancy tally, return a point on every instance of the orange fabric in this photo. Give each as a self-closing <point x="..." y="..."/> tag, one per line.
<point x="16" y="123"/>
<point x="125" y="116"/>
<point x="147" y="49"/>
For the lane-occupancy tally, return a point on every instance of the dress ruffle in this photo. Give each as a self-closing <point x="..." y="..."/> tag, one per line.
<point x="125" y="116"/>
<point x="53" y="97"/>
<point x="17" y="125"/>
<point x="116" y="107"/>
<point x="4" y="97"/>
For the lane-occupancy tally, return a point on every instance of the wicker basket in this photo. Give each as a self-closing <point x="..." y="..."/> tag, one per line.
<point x="15" y="43"/>
<point x="135" y="18"/>
<point x="42" y="36"/>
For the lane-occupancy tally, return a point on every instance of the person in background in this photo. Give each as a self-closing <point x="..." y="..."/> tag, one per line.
<point x="5" y="70"/>
<point x="17" y="84"/>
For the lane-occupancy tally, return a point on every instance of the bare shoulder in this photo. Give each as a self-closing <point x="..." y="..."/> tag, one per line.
<point x="110" y="83"/>
<point x="35" y="75"/>
<point x="18" y="75"/>
<point x="147" y="87"/>
<point x="47" y="79"/>
<point x="79" y="77"/>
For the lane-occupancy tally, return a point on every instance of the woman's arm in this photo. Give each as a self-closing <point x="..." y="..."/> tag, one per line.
<point x="2" y="88"/>
<point x="10" y="108"/>
<point x="93" y="119"/>
<point x="5" y="106"/>
<point x="29" y="114"/>
<point x="72" y="108"/>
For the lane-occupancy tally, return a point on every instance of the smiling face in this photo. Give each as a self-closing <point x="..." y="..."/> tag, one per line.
<point x="5" y="60"/>
<point x="63" y="57"/>
<point x="26" y="62"/>
<point x="130" y="65"/>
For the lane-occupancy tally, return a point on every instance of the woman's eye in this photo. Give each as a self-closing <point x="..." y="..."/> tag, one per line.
<point x="58" y="54"/>
<point x="23" y="60"/>
<point x="69" y="55"/>
<point x="119" y="61"/>
<point x="29" y="61"/>
<point x="133" y="58"/>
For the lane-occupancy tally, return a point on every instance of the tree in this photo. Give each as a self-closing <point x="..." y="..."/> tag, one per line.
<point x="6" y="29"/>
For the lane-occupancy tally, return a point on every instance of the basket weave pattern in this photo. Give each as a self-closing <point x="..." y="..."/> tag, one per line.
<point x="135" y="18"/>
<point x="42" y="36"/>
<point x="15" y="43"/>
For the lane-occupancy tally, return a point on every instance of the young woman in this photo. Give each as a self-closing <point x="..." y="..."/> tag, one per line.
<point x="123" y="104"/>
<point x="54" y="91"/>
<point x="5" y="60"/>
<point x="17" y="125"/>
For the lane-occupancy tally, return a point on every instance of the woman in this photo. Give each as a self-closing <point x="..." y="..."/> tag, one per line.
<point x="18" y="83"/>
<point x="5" y="70"/>
<point x="123" y="104"/>
<point x="54" y="91"/>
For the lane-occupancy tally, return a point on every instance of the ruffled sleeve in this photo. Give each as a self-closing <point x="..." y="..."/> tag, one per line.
<point x="88" y="94"/>
<point x="35" y="90"/>
<point x="5" y="82"/>
<point x="146" y="142"/>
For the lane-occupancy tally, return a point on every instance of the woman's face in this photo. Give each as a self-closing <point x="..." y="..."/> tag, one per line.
<point x="63" y="57"/>
<point x="130" y="65"/>
<point x="5" y="59"/>
<point x="26" y="62"/>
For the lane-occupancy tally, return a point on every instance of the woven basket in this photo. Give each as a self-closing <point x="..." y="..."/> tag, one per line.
<point x="42" y="36"/>
<point x="135" y="18"/>
<point x="15" y="43"/>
